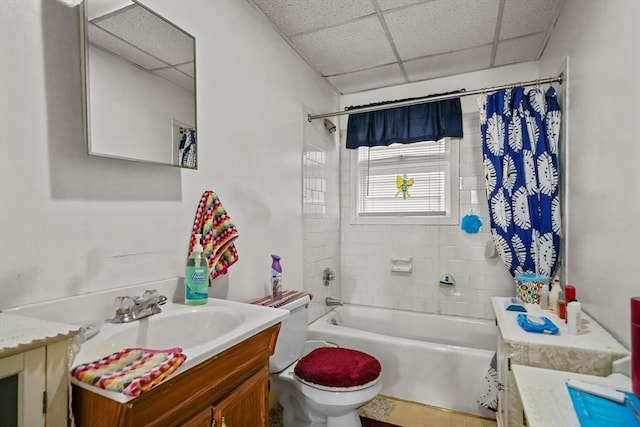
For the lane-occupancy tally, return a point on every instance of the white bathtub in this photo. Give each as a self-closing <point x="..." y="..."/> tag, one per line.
<point x="428" y="358"/>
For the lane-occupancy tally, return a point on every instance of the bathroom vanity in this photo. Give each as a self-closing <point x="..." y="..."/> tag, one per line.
<point x="231" y="389"/>
<point x="34" y="380"/>
<point x="223" y="381"/>
<point x="591" y="352"/>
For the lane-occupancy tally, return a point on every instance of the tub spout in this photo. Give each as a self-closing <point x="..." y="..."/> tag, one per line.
<point x="332" y="301"/>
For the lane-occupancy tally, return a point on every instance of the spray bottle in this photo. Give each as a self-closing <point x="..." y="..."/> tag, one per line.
<point x="276" y="278"/>
<point x="196" y="280"/>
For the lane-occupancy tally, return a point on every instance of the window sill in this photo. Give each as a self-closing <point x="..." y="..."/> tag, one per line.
<point x="405" y="220"/>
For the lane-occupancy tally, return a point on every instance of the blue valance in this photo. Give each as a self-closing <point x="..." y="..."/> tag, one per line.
<point x="415" y="123"/>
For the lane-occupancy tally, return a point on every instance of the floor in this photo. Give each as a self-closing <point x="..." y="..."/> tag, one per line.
<point x="411" y="414"/>
<point x="406" y="414"/>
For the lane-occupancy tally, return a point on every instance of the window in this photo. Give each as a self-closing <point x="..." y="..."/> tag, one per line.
<point x="428" y="169"/>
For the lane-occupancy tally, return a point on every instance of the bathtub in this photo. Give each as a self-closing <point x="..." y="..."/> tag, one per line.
<point x="433" y="359"/>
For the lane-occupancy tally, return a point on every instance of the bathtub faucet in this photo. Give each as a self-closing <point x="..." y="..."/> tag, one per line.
<point x="332" y="301"/>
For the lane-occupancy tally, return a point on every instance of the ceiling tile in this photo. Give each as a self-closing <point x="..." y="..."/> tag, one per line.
<point x="449" y="64"/>
<point x="522" y="49"/>
<point x="441" y="26"/>
<point x="354" y="46"/>
<point x="522" y="17"/>
<point x="293" y="17"/>
<point x="392" y="4"/>
<point x="387" y="75"/>
<point x="100" y="38"/>
<point x="150" y="33"/>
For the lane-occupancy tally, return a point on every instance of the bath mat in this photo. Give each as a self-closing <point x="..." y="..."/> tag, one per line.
<point x="275" y="419"/>
<point x="379" y="408"/>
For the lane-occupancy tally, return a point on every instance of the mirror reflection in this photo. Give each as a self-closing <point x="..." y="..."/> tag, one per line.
<point x="139" y="86"/>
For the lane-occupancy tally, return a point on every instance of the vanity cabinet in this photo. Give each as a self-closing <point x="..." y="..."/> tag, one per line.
<point x="34" y="381"/>
<point x="230" y="388"/>
<point x="591" y="352"/>
<point x="247" y="406"/>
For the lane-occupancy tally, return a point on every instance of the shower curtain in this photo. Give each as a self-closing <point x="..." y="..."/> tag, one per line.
<point x="520" y="133"/>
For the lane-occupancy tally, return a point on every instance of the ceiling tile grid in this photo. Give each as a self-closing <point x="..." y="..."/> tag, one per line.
<point x="327" y="50"/>
<point x="523" y="17"/>
<point x="293" y="17"/>
<point x="441" y="26"/>
<point x="366" y="44"/>
<point x="150" y="33"/>
<point x="387" y="75"/>
<point x="522" y="49"/>
<point x="392" y="4"/>
<point x="118" y="47"/>
<point x="462" y="61"/>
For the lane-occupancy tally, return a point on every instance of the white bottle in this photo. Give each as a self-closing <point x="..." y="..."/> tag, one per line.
<point x="544" y="298"/>
<point x="553" y="295"/>
<point x="574" y="317"/>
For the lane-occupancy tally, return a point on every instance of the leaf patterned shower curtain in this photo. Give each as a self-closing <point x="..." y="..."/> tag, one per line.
<point x="520" y="145"/>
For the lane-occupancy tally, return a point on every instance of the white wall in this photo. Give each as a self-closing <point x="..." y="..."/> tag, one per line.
<point x="321" y="214"/>
<point x="600" y="38"/>
<point x="72" y="224"/>
<point x="436" y="249"/>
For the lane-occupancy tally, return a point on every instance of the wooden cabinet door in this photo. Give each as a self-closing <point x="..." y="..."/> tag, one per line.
<point x="23" y="375"/>
<point x="246" y="406"/>
<point x="203" y="419"/>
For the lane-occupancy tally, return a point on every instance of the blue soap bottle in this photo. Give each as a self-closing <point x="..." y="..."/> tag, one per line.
<point x="196" y="280"/>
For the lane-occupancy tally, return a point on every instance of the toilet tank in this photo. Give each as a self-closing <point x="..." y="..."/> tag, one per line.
<point x="292" y="335"/>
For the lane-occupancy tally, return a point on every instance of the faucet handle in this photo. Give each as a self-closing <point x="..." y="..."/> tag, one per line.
<point x="153" y="294"/>
<point x="123" y="305"/>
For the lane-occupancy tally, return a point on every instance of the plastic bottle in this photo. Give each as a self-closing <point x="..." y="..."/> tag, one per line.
<point x="574" y="317"/>
<point x="553" y="295"/>
<point x="544" y="298"/>
<point x="570" y="293"/>
<point x="276" y="278"/>
<point x="562" y="307"/>
<point x="196" y="280"/>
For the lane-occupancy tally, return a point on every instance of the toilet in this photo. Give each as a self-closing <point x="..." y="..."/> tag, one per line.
<point x="303" y="374"/>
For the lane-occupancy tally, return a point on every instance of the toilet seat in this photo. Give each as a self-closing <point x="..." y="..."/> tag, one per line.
<point x="338" y="368"/>
<point x="338" y="389"/>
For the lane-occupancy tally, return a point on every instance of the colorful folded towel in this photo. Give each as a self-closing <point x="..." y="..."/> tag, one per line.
<point x="131" y="371"/>
<point x="218" y="234"/>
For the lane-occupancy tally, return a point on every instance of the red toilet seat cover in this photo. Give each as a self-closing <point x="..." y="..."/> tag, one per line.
<point x="338" y="367"/>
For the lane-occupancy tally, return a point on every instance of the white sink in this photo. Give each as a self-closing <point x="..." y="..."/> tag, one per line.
<point x="201" y="332"/>
<point x="185" y="328"/>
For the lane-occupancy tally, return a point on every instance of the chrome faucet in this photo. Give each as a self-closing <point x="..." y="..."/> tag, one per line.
<point x="129" y="309"/>
<point x="332" y="301"/>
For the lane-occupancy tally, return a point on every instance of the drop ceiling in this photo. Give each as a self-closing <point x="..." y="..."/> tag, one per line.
<point x="359" y="45"/>
<point x="143" y="39"/>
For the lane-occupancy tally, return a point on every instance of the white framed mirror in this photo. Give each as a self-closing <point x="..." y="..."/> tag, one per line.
<point x="139" y="85"/>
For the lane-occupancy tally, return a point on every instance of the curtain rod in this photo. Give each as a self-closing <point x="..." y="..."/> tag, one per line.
<point x="431" y="98"/>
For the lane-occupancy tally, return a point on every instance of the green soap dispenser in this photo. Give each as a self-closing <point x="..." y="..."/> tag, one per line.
<point x="196" y="280"/>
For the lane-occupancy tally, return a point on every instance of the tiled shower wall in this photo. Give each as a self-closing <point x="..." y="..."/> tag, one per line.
<point x="321" y="214"/>
<point x="366" y="276"/>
